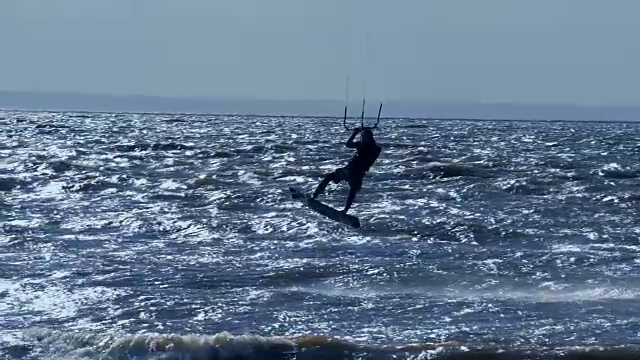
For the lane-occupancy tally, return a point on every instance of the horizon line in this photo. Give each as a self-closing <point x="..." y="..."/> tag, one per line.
<point x="317" y="100"/>
<point x="328" y="117"/>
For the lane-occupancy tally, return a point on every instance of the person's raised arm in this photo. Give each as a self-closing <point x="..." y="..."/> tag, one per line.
<point x="350" y="143"/>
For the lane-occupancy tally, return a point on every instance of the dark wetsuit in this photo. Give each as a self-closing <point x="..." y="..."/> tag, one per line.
<point x="365" y="156"/>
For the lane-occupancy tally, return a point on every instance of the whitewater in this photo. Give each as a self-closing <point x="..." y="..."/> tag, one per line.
<point x="165" y="236"/>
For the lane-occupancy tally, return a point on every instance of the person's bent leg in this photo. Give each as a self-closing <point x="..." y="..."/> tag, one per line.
<point x="324" y="184"/>
<point x="352" y="195"/>
<point x="354" y="186"/>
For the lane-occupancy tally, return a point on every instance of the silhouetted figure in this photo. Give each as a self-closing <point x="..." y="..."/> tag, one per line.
<point x="367" y="152"/>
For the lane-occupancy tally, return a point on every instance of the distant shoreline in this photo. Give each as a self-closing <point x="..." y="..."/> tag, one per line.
<point x="258" y="116"/>
<point x="323" y="109"/>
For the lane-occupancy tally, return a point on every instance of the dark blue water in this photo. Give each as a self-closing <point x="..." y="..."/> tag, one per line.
<point x="174" y="236"/>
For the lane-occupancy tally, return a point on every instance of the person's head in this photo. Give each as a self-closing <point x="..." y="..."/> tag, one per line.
<point x="367" y="136"/>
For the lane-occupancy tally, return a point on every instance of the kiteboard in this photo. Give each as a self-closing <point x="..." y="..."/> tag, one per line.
<point x="323" y="209"/>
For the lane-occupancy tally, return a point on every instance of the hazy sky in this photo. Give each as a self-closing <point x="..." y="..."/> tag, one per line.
<point x="542" y="51"/>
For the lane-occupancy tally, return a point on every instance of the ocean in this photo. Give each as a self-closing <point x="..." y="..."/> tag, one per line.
<point x="148" y="236"/>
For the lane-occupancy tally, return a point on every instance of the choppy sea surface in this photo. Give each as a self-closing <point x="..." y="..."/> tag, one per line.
<point x="142" y="236"/>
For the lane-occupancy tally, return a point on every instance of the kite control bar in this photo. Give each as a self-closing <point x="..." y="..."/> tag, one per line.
<point x="344" y="122"/>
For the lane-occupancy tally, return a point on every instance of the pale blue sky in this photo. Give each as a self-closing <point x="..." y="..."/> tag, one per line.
<point x="542" y="51"/>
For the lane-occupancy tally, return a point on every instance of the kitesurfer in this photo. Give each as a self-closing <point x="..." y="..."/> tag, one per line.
<point x="367" y="152"/>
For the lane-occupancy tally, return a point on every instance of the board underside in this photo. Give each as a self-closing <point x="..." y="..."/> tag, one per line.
<point x="325" y="210"/>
